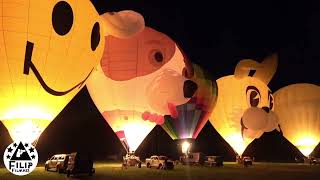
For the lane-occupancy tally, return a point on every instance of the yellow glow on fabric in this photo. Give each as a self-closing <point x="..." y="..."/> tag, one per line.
<point x="185" y="147"/>
<point x="298" y="109"/>
<point x="27" y="113"/>
<point x="136" y="132"/>
<point x="25" y="130"/>
<point x="306" y="144"/>
<point x="237" y="142"/>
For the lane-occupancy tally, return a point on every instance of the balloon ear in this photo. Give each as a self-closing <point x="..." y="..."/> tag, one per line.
<point x="269" y="65"/>
<point x="122" y="24"/>
<point x="263" y="71"/>
<point x="244" y="67"/>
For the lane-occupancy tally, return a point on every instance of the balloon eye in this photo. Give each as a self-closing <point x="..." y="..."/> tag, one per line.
<point x="253" y="97"/>
<point x="62" y="18"/>
<point x="156" y="57"/>
<point x="95" y="36"/>
<point x="271" y="102"/>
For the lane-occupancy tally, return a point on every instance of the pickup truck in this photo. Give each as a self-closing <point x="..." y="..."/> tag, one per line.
<point x="160" y="162"/>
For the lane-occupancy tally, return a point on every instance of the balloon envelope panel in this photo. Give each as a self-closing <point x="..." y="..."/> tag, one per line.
<point x="298" y="108"/>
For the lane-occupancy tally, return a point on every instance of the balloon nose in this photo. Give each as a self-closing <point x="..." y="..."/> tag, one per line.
<point x="189" y="88"/>
<point x="266" y="109"/>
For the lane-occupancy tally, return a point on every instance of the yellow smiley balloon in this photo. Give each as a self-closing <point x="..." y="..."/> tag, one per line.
<point x="48" y="49"/>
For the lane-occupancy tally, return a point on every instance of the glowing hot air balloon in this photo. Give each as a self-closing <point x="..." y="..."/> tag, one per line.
<point x="136" y="81"/>
<point x="186" y="120"/>
<point x="48" y="49"/>
<point x="245" y="103"/>
<point x="298" y="109"/>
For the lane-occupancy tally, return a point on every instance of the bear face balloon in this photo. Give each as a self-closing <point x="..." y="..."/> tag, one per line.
<point x="48" y="49"/>
<point x="136" y="81"/>
<point x="244" y="108"/>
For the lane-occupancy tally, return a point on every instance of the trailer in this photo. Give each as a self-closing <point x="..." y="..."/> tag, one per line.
<point x="196" y="158"/>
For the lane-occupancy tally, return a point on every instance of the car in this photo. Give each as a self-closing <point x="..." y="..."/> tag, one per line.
<point x="247" y="161"/>
<point x="214" y="161"/>
<point x="58" y="163"/>
<point x="160" y="162"/>
<point x="79" y="164"/>
<point x="314" y="160"/>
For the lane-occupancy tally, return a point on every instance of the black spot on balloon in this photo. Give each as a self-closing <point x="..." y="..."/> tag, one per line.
<point x="62" y="18"/>
<point x="95" y="36"/>
<point x="158" y="57"/>
<point x="251" y="73"/>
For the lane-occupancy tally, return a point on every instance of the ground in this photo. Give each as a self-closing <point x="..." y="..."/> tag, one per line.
<point x="232" y="171"/>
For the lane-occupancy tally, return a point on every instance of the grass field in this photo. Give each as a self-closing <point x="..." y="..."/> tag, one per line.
<point x="260" y="171"/>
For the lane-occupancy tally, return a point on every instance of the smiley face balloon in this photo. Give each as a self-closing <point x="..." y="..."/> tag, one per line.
<point x="48" y="49"/>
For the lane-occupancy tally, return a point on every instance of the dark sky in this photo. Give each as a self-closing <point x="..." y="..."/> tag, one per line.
<point x="215" y="36"/>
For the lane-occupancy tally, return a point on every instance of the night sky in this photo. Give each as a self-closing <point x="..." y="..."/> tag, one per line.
<point x="215" y="36"/>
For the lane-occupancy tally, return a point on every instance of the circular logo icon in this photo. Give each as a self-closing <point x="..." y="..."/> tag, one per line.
<point x="20" y="158"/>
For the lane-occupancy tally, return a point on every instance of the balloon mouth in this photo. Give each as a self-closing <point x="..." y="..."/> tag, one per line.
<point x="28" y="64"/>
<point x="258" y="120"/>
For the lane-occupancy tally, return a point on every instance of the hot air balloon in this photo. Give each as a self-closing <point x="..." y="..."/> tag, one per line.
<point x="136" y="81"/>
<point x="245" y="103"/>
<point x="186" y="120"/>
<point x="298" y="109"/>
<point x="48" y="49"/>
